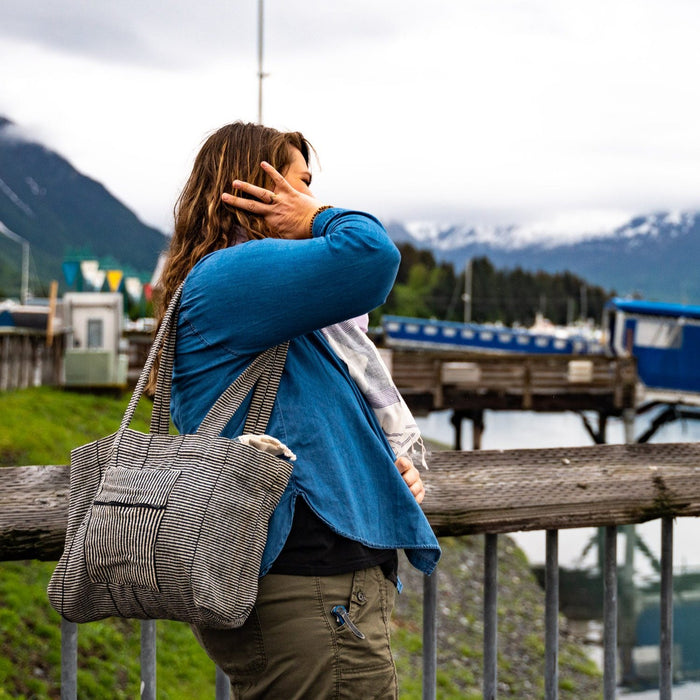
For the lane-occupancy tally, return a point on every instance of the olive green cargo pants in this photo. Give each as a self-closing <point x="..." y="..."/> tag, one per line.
<point x="292" y="646"/>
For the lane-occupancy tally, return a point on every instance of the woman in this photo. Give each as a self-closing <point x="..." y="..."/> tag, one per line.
<point x="266" y="262"/>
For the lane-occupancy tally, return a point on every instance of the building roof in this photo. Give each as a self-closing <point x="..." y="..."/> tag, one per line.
<point x="655" y="308"/>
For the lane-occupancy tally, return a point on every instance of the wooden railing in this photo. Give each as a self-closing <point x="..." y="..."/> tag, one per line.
<point x="26" y="359"/>
<point x="467" y="493"/>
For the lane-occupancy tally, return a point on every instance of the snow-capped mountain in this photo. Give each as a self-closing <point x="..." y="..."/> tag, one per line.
<point x="570" y="228"/>
<point x="655" y="255"/>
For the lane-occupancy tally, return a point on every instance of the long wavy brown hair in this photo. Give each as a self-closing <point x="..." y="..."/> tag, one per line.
<point x="203" y="222"/>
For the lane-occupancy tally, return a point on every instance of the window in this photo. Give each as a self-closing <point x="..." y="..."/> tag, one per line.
<point x="95" y="333"/>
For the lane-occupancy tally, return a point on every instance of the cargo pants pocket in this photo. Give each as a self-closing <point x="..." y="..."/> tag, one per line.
<point x="237" y="652"/>
<point x="369" y="607"/>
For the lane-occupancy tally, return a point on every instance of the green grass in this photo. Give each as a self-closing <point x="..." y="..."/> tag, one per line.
<point x="41" y="426"/>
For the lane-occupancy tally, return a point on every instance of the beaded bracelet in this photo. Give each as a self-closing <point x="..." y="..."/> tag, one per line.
<point x="313" y="218"/>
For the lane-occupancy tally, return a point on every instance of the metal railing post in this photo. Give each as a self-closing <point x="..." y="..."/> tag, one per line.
<point x="490" y="616"/>
<point x="666" y="603"/>
<point x="148" y="660"/>
<point x="430" y="636"/>
<point x="223" y="685"/>
<point x="610" y="614"/>
<point x="69" y="660"/>
<point x="551" y="617"/>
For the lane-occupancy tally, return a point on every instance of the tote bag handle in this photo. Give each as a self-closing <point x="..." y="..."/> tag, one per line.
<point x="264" y="372"/>
<point x="159" y="423"/>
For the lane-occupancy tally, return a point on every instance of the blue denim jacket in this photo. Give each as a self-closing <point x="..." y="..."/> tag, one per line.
<point x="241" y="300"/>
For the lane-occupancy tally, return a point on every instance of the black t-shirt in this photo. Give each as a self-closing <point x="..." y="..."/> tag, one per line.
<point x="313" y="549"/>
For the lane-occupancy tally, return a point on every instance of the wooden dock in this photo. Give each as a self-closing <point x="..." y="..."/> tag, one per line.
<point x="436" y="380"/>
<point x="469" y="383"/>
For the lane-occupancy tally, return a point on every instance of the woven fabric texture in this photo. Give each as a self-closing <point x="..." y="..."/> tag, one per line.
<point x="172" y="526"/>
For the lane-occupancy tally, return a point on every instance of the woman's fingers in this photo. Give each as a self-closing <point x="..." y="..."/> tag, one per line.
<point x="411" y="477"/>
<point x="418" y="490"/>
<point x="280" y="182"/>
<point x="261" y="194"/>
<point x="252" y="205"/>
<point x="403" y="464"/>
<point x="287" y="212"/>
<point x="264" y="195"/>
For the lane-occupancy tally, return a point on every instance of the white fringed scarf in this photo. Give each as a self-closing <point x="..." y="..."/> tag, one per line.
<point x="374" y="380"/>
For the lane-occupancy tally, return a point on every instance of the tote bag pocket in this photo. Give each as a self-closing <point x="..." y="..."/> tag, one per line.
<point x="249" y="473"/>
<point x="123" y="527"/>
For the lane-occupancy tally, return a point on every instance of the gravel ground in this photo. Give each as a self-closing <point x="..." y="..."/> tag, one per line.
<point x="460" y="629"/>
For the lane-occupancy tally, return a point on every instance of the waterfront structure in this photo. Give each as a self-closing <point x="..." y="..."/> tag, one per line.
<point x="664" y="339"/>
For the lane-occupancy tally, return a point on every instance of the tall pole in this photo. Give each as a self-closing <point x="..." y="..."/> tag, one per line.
<point x="261" y="74"/>
<point x="467" y="296"/>
<point x="24" y="294"/>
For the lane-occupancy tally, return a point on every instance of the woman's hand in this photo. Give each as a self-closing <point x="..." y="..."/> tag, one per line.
<point x="411" y="477"/>
<point x="286" y="211"/>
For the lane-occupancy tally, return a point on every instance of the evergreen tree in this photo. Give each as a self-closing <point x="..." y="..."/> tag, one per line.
<point x="427" y="289"/>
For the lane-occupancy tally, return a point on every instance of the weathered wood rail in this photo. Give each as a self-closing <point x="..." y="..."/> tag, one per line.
<point x="33" y="512"/>
<point x="485" y="491"/>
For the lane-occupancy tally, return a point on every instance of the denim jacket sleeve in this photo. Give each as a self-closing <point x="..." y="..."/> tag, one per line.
<point x="254" y="295"/>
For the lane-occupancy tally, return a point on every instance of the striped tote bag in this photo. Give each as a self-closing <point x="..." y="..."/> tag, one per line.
<point x="173" y="526"/>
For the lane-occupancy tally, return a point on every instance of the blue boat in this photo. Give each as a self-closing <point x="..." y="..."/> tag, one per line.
<point x="665" y="339"/>
<point x="400" y="331"/>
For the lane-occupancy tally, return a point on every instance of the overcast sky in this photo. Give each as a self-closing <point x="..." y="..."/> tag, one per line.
<point x="481" y="111"/>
